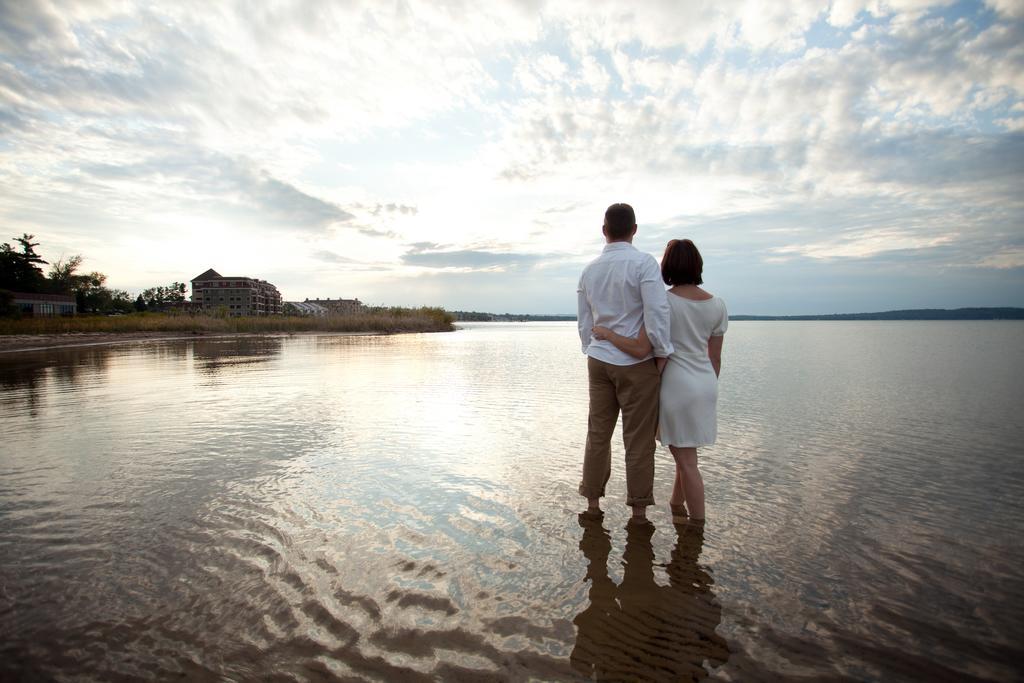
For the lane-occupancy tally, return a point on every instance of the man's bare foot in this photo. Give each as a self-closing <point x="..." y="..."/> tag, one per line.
<point x="593" y="508"/>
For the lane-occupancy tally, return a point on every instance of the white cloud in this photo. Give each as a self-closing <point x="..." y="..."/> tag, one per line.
<point x="359" y="128"/>
<point x="1012" y="124"/>
<point x="1007" y="8"/>
<point x="662" y="24"/>
<point x="1011" y="257"/>
<point x="864" y="244"/>
<point x="844" y="12"/>
<point x="593" y="76"/>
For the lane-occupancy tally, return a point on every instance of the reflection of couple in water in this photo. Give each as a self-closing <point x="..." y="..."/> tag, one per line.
<point x="640" y="630"/>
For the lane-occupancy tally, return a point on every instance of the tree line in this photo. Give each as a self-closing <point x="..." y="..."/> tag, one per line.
<point x="21" y="271"/>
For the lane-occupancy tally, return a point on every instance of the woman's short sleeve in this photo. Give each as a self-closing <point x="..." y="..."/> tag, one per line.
<point x="723" y="321"/>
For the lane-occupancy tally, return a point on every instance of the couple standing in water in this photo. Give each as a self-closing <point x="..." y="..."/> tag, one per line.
<point x="654" y="355"/>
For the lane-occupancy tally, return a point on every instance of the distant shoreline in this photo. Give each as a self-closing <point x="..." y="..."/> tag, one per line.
<point x="908" y="314"/>
<point x="479" y="317"/>
<point x="1005" y="313"/>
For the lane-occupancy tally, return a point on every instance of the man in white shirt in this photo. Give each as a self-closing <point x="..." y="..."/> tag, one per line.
<point x="622" y="290"/>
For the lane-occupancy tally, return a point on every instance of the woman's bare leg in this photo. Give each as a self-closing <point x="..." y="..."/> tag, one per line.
<point x="678" y="489"/>
<point x="693" y="484"/>
<point x="678" y="500"/>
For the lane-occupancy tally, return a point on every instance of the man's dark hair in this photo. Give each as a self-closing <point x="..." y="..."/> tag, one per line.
<point x="682" y="264"/>
<point x="619" y="221"/>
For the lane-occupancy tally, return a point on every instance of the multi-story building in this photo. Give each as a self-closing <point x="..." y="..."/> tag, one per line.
<point x="304" y="308"/>
<point x="338" y="306"/>
<point x="239" y="295"/>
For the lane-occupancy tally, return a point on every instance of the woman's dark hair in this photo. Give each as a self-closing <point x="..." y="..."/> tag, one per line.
<point x="682" y="264"/>
<point x="619" y="221"/>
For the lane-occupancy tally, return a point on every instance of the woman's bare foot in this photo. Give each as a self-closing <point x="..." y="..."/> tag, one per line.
<point x="679" y="513"/>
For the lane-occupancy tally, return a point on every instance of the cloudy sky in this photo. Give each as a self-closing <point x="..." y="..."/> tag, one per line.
<point x="848" y="156"/>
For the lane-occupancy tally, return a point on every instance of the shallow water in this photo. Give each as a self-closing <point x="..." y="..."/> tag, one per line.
<point x="404" y="508"/>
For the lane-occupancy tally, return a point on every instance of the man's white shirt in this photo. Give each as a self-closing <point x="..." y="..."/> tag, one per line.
<point x="622" y="289"/>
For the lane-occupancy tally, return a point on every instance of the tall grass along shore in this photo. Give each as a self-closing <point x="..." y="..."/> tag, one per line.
<point x="382" y="320"/>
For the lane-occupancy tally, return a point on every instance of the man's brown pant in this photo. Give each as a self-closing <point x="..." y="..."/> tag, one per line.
<point x="633" y="389"/>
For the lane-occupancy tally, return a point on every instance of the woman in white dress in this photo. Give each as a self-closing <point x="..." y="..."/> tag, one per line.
<point x="689" y="380"/>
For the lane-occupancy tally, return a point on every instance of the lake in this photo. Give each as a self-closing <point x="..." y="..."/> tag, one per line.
<point x="405" y="508"/>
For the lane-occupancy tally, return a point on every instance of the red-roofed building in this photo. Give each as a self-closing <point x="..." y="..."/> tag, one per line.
<point x="238" y="295"/>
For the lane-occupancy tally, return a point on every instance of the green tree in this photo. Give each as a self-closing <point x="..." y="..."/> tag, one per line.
<point x="121" y="301"/>
<point x="89" y="289"/>
<point x="7" y="307"/>
<point x="162" y="296"/>
<point x="19" y="270"/>
<point x="90" y="293"/>
<point x="62" y="275"/>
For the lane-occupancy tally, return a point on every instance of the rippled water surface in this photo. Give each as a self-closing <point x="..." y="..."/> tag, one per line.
<point x="404" y="508"/>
